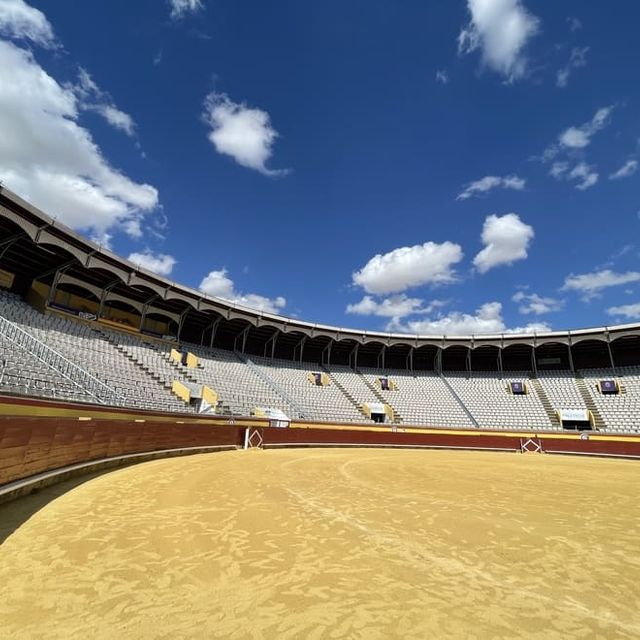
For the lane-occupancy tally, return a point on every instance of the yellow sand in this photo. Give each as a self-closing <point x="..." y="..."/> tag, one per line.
<point x="370" y="544"/>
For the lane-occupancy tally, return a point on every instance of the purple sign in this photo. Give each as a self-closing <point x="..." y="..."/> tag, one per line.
<point x="608" y="386"/>
<point x="517" y="388"/>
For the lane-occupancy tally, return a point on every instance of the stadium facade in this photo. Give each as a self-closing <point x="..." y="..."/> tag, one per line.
<point x="51" y="265"/>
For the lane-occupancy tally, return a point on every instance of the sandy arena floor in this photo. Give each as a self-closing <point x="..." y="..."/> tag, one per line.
<point x="308" y="544"/>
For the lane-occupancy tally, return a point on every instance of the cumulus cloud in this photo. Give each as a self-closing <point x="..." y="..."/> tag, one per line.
<point x="92" y="98"/>
<point x="20" y="21"/>
<point x="487" y="319"/>
<point x="626" y="170"/>
<point x="49" y="159"/>
<point x="398" y="306"/>
<point x="406" y="267"/>
<point x="628" y="311"/>
<point x="241" y="132"/>
<point x="219" y="285"/>
<point x="180" y="8"/>
<point x="506" y="239"/>
<point x="488" y="183"/>
<point x="159" y="263"/>
<point x="532" y="303"/>
<point x="577" y="59"/>
<point x="500" y="29"/>
<point x="591" y="284"/>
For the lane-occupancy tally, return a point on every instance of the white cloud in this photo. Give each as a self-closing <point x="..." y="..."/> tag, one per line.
<point x="406" y="267"/>
<point x="506" y="240"/>
<point x="180" y="8"/>
<point x="219" y="285"/>
<point x="487" y="319"/>
<point x="626" y="170"/>
<point x="584" y="175"/>
<point x="629" y="311"/>
<point x="92" y="98"/>
<point x="398" y="306"/>
<point x="591" y="284"/>
<point x="559" y="169"/>
<point x="20" y="21"/>
<point x="574" y="23"/>
<point x="241" y="132"/>
<point x="491" y="182"/>
<point x="501" y="30"/>
<point x="538" y="305"/>
<point x="577" y="59"/>
<point x="580" y="137"/>
<point x="159" y="263"/>
<point x="116" y="118"/>
<point x="49" y="159"/>
<point x="442" y="76"/>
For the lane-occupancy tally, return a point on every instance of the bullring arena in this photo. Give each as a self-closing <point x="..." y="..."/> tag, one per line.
<point x="173" y="466"/>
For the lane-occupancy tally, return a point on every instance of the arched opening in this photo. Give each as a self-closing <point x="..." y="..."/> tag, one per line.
<point x="342" y="352"/>
<point x="315" y="347"/>
<point x="424" y="357"/>
<point x="552" y="356"/>
<point x="159" y="324"/>
<point x="626" y="351"/>
<point x="257" y="339"/>
<point x="368" y="355"/>
<point x="591" y="354"/>
<point x="121" y="313"/>
<point x="454" y="358"/>
<point x="397" y="356"/>
<point x="76" y="299"/>
<point x="229" y="334"/>
<point x="517" y="357"/>
<point x="485" y="358"/>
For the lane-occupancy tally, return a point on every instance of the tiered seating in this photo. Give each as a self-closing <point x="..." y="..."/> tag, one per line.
<point x="486" y="396"/>
<point x="422" y="399"/>
<point x="318" y="403"/>
<point x="146" y="354"/>
<point x="237" y="386"/>
<point x="80" y="344"/>
<point x="23" y="374"/>
<point x="560" y="387"/>
<point x="140" y="373"/>
<point x="353" y="384"/>
<point x="620" y="412"/>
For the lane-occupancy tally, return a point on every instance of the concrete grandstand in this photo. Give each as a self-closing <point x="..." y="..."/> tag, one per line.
<point x="79" y="323"/>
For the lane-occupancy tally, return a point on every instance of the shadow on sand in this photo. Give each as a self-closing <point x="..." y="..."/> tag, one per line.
<point x="15" y="513"/>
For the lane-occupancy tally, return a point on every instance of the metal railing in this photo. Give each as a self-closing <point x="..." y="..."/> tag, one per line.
<point x="458" y="399"/>
<point x="80" y="377"/>
<point x="273" y="385"/>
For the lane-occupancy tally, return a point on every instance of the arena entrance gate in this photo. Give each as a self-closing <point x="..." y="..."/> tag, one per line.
<point x="253" y="438"/>
<point x="531" y="445"/>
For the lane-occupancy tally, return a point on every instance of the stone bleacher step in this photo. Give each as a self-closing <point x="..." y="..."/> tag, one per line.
<point x="179" y="367"/>
<point x="599" y="422"/>
<point x="396" y="414"/>
<point x="167" y="386"/>
<point x="544" y="400"/>
<point x="345" y="393"/>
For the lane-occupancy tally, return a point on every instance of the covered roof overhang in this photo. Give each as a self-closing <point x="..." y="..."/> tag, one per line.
<point x="33" y="243"/>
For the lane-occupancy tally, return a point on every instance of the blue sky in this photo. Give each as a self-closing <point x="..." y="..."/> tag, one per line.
<point x="443" y="167"/>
